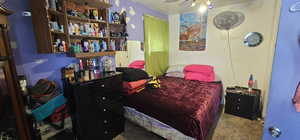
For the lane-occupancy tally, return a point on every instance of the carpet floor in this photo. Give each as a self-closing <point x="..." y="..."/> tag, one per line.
<point x="229" y="127"/>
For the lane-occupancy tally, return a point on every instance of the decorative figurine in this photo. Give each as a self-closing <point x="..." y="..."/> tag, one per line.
<point x="87" y="29"/>
<point x="96" y="14"/>
<point x="77" y="29"/>
<point x="64" y="45"/>
<point x="81" y="29"/>
<point x="96" y="29"/>
<point x="96" y="46"/>
<point x="123" y="18"/>
<point x="116" y="18"/>
<point x="113" y="44"/>
<point x="85" y="46"/>
<point x="91" y="47"/>
<point x="104" y="46"/>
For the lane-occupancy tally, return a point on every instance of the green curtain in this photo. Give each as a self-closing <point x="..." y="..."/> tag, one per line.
<point x="156" y="45"/>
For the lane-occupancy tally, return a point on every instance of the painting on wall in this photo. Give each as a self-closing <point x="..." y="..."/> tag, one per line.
<point x="193" y="28"/>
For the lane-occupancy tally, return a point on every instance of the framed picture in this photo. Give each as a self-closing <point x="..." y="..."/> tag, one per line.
<point x="193" y="28"/>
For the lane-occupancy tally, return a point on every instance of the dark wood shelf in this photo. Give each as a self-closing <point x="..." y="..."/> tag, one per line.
<point x="85" y="19"/>
<point x="118" y="37"/>
<point x="87" y="37"/>
<point x="57" y="32"/>
<point x="41" y="16"/>
<point x="91" y="55"/>
<point x="115" y="24"/>
<point x="55" y="12"/>
<point x="93" y="3"/>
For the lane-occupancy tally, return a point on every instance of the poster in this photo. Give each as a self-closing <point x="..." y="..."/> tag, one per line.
<point x="193" y="28"/>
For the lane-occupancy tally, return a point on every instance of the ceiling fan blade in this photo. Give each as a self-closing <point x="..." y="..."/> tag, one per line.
<point x="171" y="1"/>
<point x="187" y="3"/>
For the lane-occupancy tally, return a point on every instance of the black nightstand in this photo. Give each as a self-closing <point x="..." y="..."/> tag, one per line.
<point x="242" y="103"/>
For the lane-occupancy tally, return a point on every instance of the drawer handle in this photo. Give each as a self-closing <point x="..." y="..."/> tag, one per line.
<point x="105" y="121"/>
<point x="103" y="85"/>
<point x="104" y="110"/>
<point x="239" y="99"/>
<point x="238" y="108"/>
<point x="103" y="98"/>
<point x="105" y="132"/>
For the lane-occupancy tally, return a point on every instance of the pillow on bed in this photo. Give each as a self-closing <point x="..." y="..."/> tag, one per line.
<point x="175" y="74"/>
<point x="139" y="64"/>
<point x="176" y="68"/>
<point x="199" y="76"/>
<point x="199" y="68"/>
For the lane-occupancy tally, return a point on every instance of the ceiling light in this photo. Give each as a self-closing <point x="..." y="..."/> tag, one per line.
<point x="193" y="4"/>
<point x="208" y="2"/>
<point x="202" y="8"/>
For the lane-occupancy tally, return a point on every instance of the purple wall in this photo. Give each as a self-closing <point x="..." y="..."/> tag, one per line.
<point x="285" y="77"/>
<point x="137" y="19"/>
<point x="36" y="66"/>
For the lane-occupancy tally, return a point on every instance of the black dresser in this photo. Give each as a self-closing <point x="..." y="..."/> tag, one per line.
<point x="97" y="107"/>
<point x="242" y="103"/>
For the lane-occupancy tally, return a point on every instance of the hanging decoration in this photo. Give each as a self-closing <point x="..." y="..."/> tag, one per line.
<point x="117" y="3"/>
<point x="226" y="21"/>
<point x="253" y="39"/>
<point x="132" y="26"/>
<point x="131" y="11"/>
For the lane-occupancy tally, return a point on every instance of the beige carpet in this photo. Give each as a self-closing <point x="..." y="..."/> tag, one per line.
<point x="229" y="128"/>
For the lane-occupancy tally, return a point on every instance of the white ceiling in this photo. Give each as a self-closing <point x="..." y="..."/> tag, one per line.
<point x="177" y="7"/>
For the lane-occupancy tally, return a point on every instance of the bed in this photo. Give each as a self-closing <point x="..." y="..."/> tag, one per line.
<point x="181" y="109"/>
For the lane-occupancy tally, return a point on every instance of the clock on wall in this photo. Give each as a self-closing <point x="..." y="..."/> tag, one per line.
<point x="253" y="39"/>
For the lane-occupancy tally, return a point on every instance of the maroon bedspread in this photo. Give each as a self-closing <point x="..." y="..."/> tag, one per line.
<point x="188" y="106"/>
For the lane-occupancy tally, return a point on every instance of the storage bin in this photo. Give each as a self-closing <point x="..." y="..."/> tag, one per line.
<point x="47" y="109"/>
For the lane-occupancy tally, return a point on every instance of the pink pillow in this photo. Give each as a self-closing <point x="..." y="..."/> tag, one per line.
<point x="136" y="67"/>
<point x="199" y="68"/>
<point x="138" y="63"/>
<point x="208" y="77"/>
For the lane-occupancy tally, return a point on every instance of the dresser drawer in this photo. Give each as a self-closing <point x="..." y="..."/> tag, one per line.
<point x="108" y="85"/>
<point x="113" y="123"/>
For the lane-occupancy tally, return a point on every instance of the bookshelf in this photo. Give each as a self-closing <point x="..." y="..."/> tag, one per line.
<point x="80" y="29"/>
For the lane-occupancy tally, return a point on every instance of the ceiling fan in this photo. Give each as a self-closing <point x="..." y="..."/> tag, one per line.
<point x="202" y="4"/>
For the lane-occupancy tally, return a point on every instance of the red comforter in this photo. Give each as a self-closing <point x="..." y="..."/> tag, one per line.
<point x="188" y="106"/>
